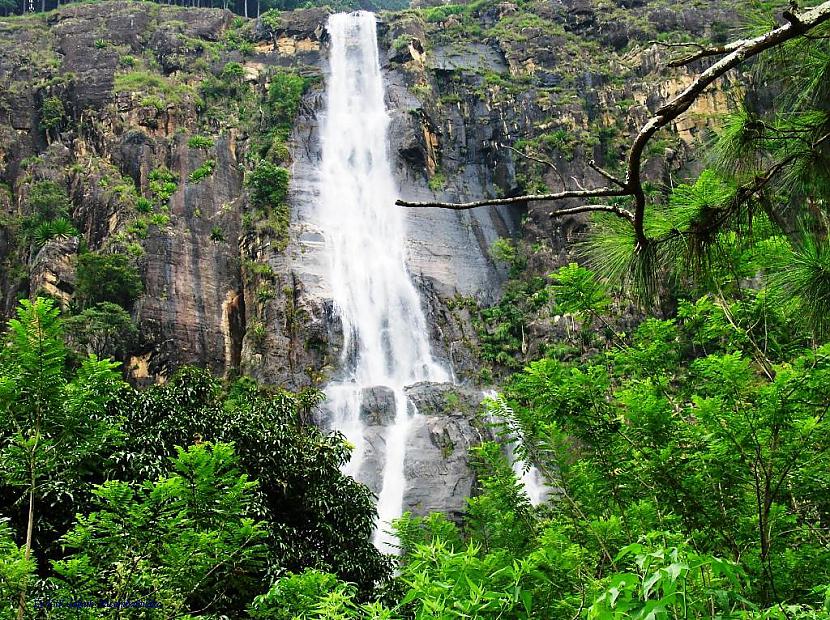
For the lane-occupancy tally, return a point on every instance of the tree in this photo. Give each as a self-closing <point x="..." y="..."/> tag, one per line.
<point x="317" y="517"/>
<point x="106" y="278"/>
<point x="185" y="543"/>
<point x="51" y="428"/>
<point x="104" y="330"/>
<point x="16" y="570"/>
<point x="714" y="422"/>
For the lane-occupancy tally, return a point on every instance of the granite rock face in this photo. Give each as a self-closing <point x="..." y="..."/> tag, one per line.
<point x="443" y="429"/>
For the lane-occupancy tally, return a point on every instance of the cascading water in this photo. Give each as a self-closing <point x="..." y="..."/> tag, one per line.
<point x="384" y="328"/>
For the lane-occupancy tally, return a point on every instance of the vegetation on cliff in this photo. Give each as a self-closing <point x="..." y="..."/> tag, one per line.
<point x="677" y="407"/>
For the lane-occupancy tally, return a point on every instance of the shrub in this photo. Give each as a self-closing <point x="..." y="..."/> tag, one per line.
<point x="217" y="235"/>
<point x="47" y="200"/>
<point x="284" y="95"/>
<point x="163" y="184"/>
<point x="442" y="12"/>
<point x="52" y="113"/>
<point x="106" y="278"/>
<point x="59" y="228"/>
<point x="268" y="184"/>
<point x="232" y="71"/>
<point x="205" y="170"/>
<point x="143" y="205"/>
<point x="105" y="329"/>
<point x="199" y="142"/>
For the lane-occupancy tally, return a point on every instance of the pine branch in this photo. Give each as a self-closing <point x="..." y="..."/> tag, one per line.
<point x="702" y="51"/>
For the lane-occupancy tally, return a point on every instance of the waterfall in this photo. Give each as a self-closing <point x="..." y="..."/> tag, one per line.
<point x="384" y="327"/>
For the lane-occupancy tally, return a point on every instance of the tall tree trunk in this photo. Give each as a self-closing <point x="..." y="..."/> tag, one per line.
<point x="21" y="608"/>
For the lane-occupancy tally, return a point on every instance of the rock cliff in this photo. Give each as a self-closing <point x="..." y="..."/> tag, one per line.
<point x="149" y="118"/>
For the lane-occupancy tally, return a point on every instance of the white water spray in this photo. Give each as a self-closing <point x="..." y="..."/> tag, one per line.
<point x="533" y="482"/>
<point x="384" y="328"/>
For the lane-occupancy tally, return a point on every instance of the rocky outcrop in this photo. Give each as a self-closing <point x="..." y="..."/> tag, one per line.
<point x="443" y="429"/>
<point x="53" y="270"/>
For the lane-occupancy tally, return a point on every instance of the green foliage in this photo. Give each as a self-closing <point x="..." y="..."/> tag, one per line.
<point x="59" y="228"/>
<point x="46" y="200"/>
<point x="576" y="291"/>
<point x="442" y="12"/>
<point x="270" y="20"/>
<point x="693" y="417"/>
<point x="805" y="281"/>
<point x="232" y="71"/>
<point x="285" y="92"/>
<point x="16" y="570"/>
<point x="205" y="170"/>
<point x="113" y="517"/>
<point x="189" y="539"/>
<point x="316" y="516"/>
<point x="217" y="235"/>
<point x="307" y="595"/>
<point x="144" y="205"/>
<point x="165" y="89"/>
<point x="268" y="184"/>
<point x="52" y="113"/>
<point x="104" y="330"/>
<point x="54" y="427"/>
<point x="437" y="182"/>
<point x="106" y="278"/>
<point x="199" y="142"/>
<point x="162" y="184"/>
<point x="670" y="582"/>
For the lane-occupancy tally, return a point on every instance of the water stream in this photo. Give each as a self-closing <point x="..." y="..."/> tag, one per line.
<point x="384" y="327"/>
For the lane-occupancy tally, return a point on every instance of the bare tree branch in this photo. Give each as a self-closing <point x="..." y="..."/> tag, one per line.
<point x="702" y="51"/>
<point x="681" y="103"/>
<point x="623" y="213"/>
<point x="737" y="52"/>
<point x="538" y="160"/>
<point x="603" y="192"/>
<point x="607" y="175"/>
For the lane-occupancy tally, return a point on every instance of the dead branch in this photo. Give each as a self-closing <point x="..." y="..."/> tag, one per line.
<point x="607" y="175"/>
<point x="603" y="192"/>
<point x="702" y="51"/>
<point x="539" y="160"/>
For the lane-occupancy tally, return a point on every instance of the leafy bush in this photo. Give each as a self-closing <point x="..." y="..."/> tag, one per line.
<point x="268" y="184"/>
<point x="104" y="330"/>
<point x="191" y="534"/>
<point x="232" y="71"/>
<point x="199" y="142"/>
<point x="317" y="517"/>
<point x="162" y="184"/>
<point x="106" y="278"/>
<point x="205" y="170"/>
<point x="441" y="13"/>
<point x="46" y="200"/>
<point x="52" y="113"/>
<point x="59" y="228"/>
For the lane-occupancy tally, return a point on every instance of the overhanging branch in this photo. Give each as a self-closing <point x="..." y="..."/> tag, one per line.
<point x="604" y="192"/>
